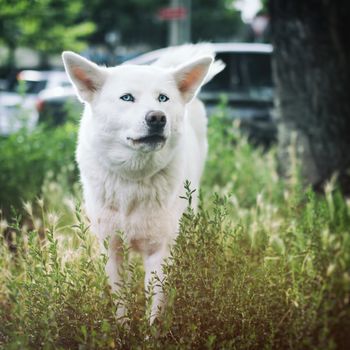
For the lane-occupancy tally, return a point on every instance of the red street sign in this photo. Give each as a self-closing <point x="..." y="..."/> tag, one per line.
<point x="172" y="13"/>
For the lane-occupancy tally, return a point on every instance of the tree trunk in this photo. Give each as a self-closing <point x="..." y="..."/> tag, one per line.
<point x="44" y="60"/>
<point x="11" y="57"/>
<point x="311" y="65"/>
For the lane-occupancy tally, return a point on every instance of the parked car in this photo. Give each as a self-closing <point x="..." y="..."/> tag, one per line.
<point x="18" y="102"/>
<point x="246" y="83"/>
<point x="55" y="106"/>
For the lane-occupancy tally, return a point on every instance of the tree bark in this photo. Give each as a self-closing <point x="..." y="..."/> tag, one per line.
<point x="11" y="57"/>
<point x="311" y="64"/>
<point x="44" y="60"/>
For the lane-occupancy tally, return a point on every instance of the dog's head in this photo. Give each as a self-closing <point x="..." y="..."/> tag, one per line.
<point x="140" y="108"/>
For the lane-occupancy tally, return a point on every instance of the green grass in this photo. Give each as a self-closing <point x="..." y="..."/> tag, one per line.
<point x="263" y="264"/>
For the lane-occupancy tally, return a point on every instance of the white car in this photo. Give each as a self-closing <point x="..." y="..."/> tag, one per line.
<point x="18" y="104"/>
<point x="246" y="83"/>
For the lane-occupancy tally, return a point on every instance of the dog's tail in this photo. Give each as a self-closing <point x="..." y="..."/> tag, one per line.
<point x="177" y="55"/>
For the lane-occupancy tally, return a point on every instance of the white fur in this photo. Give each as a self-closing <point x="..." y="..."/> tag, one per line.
<point x="131" y="187"/>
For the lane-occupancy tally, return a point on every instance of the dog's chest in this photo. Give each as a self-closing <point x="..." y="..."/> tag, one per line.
<point x="142" y="210"/>
<point x="126" y="196"/>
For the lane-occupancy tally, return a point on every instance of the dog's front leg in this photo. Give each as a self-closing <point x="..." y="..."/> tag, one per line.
<point x="113" y="269"/>
<point x="153" y="266"/>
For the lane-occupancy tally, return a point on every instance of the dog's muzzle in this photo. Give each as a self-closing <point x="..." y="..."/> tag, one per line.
<point x="156" y="121"/>
<point x="155" y="138"/>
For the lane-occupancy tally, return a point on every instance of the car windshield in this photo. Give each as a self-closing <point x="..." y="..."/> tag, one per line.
<point x="246" y="74"/>
<point x="26" y="86"/>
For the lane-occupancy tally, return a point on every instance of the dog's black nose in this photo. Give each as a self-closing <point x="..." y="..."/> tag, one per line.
<point x="155" y="120"/>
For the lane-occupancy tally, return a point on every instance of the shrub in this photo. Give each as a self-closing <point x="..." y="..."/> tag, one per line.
<point x="262" y="265"/>
<point x="236" y="167"/>
<point x="28" y="158"/>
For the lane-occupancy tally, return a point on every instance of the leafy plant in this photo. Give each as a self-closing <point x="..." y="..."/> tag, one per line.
<point x="27" y="159"/>
<point x="262" y="264"/>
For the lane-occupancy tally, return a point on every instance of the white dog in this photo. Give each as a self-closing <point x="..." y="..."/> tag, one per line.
<point x="142" y="134"/>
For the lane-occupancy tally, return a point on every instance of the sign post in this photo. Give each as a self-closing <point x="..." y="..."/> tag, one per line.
<point x="178" y="17"/>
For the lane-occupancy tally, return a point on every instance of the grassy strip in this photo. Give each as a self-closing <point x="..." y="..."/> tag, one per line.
<point x="263" y="264"/>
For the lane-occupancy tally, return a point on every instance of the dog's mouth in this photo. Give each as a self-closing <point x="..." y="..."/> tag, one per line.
<point x="149" y="140"/>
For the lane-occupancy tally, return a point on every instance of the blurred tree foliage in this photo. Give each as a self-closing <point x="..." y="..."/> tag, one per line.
<point x="136" y="20"/>
<point x="11" y="17"/>
<point x="47" y="26"/>
<point x="214" y="20"/>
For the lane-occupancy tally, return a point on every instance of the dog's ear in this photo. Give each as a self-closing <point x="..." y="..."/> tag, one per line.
<point x="86" y="76"/>
<point x="190" y="76"/>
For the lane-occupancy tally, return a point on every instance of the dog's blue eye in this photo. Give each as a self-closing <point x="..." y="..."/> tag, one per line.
<point x="163" y="98"/>
<point x="127" y="98"/>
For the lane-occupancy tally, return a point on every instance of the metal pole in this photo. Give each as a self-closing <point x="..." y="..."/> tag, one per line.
<point x="174" y="27"/>
<point x="187" y="24"/>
